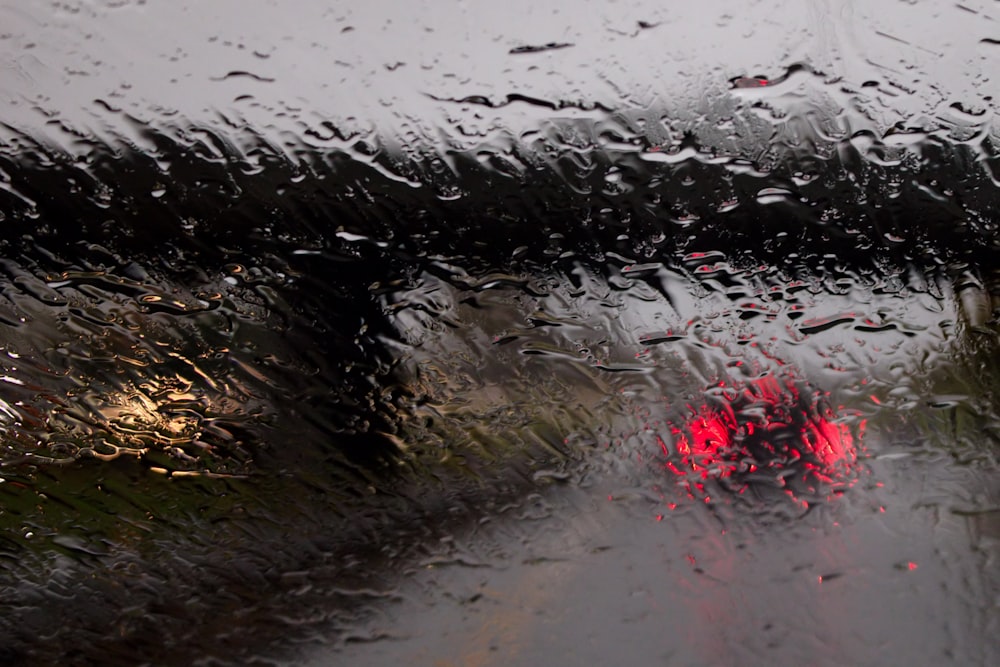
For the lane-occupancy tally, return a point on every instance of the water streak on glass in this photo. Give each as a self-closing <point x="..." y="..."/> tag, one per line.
<point x="499" y="334"/>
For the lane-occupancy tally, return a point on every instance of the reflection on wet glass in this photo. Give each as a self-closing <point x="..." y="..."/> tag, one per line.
<point x="507" y="374"/>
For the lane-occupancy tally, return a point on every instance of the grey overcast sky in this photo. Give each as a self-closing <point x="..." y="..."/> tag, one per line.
<point x="374" y="63"/>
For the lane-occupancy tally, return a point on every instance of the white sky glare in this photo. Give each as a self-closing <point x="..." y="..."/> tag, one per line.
<point x="374" y="63"/>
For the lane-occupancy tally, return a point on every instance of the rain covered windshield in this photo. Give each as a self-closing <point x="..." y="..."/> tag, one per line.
<point x="478" y="333"/>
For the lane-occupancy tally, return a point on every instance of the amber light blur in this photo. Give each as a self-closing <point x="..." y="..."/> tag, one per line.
<point x="767" y="429"/>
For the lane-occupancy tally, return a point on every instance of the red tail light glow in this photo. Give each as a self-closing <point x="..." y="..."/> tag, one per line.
<point x="776" y="431"/>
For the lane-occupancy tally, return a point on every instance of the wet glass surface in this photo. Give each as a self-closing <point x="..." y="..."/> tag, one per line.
<point x="499" y="335"/>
